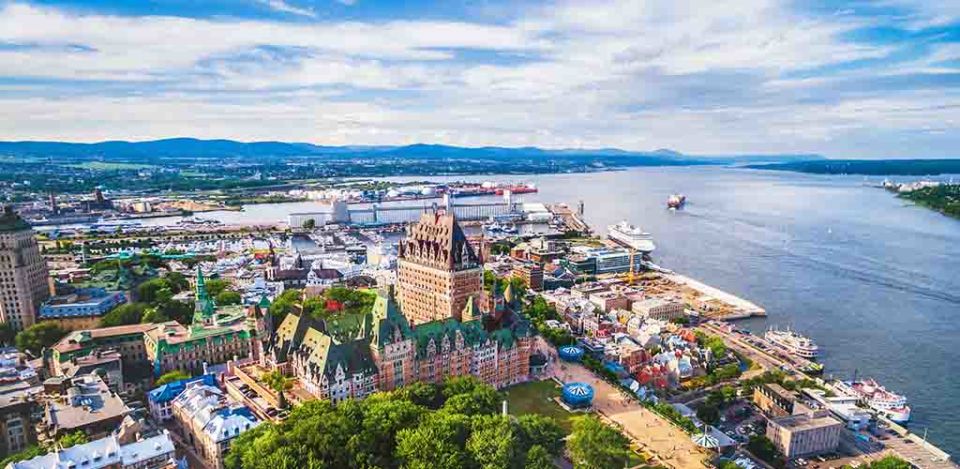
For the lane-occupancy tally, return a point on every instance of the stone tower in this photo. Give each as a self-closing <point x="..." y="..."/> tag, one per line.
<point x="437" y="270"/>
<point x="23" y="272"/>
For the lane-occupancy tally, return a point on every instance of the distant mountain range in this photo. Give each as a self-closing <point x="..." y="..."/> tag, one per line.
<point x="190" y="148"/>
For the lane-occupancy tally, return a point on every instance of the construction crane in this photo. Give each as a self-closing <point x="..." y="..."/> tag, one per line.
<point x="632" y="274"/>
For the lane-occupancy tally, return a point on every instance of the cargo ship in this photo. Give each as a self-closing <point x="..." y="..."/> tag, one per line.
<point x="517" y="189"/>
<point x="676" y="201"/>
<point x="632" y="237"/>
<point x="890" y="404"/>
<point x="793" y="343"/>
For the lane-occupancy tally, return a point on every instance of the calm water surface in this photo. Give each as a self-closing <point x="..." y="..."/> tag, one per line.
<point x="875" y="281"/>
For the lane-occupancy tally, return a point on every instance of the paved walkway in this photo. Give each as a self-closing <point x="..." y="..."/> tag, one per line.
<point x="670" y="445"/>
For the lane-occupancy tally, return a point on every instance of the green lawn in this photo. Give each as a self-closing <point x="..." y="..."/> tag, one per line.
<point x="104" y="166"/>
<point x="536" y="397"/>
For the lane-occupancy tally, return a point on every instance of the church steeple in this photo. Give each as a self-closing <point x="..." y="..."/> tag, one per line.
<point x="205" y="309"/>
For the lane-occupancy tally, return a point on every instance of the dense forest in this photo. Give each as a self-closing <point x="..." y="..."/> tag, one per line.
<point x="944" y="198"/>
<point x="868" y="167"/>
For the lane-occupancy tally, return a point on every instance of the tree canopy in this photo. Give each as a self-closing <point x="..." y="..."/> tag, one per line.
<point x="172" y="376"/>
<point x="128" y="313"/>
<point x="594" y="445"/>
<point x="38" y="336"/>
<point x="454" y="425"/>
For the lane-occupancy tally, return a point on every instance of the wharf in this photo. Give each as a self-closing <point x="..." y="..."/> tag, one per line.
<point x="741" y="308"/>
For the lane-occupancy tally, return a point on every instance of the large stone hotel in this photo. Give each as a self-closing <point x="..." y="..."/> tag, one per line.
<point x="437" y="270"/>
<point x="432" y="328"/>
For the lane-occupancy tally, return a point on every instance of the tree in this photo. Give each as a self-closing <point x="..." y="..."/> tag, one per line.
<point x="179" y="311"/>
<point x="7" y="334"/>
<point x="538" y="458"/>
<point x="129" y="313"/>
<point x="438" y="442"/>
<point x="228" y="297"/>
<point x="542" y="431"/>
<point x="309" y="224"/>
<point x="29" y="452"/>
<point x="383" y="417"/>
<point x="149" y="291"/>
<point x="594" y="445"/>
<point x="708" y="413"/>
<point x="39" y="336"/>
<point x="482" y="400"/>
<point x="154" y="316"/>
<point x="284" y="305"/>
<point x="215" y="286"/>
<point x="73" y="439"/>
<point x="428" y="395"/>
<point x="172" y="376"/>
<point x="177" y="282"/>
<point x="495" y="443"/>
<point x="888" y="462"/>
<point x="764" y="449"/>
<point x="280" y="383"/>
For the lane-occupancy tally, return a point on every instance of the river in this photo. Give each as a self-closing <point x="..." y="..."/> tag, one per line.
<point x="874" y="280"/>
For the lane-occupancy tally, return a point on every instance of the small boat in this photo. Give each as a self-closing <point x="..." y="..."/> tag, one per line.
<point x="676" y="201"/>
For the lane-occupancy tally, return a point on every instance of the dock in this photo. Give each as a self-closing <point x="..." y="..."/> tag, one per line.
<point x="741" y="308"/>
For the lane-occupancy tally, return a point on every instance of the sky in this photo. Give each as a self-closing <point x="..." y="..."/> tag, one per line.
<point x="846" y="79"/>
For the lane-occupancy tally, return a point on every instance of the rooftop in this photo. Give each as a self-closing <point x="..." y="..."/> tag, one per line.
<point x="106" y="452"/>
<point x="806" y="421"/>
<point x="77" y="340"/>
<point x="89" y="400"/>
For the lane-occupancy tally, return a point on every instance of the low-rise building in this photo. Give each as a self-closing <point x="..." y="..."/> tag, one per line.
<point x="209" y="422"/>
<point x="160" y="399"/>
<point x="16" y="420"/>
<point x="106" y="361"/>
<point x="531" y="274"/>
<point x="609" y="300"/>
<point x="81" y="308"/>
<point x="88" y="406"/>
<point x="806" y="434"/>
<point x="658" y="308"/>
<point x="156" y="452"/>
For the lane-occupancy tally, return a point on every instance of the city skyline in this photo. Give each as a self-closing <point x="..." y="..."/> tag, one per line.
<point x="843" y="79"/>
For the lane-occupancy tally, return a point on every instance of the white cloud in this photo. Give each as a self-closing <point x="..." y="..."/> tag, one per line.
<point x="698" y="76"/>
<point x="282" y="6"/>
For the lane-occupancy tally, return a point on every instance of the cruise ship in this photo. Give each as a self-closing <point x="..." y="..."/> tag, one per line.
<point x="793" y="343"/>
<point x="890" y="404"/>
<point x="631" y="237"/>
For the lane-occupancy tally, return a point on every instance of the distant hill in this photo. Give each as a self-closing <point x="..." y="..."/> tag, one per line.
<point x="191" y="148"/>
<point x="869" y="167"/>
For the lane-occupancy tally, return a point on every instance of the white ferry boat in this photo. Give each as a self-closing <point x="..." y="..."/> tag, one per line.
<point x="890" y="404"/>
<point x="631" y="237"/>
<point x="793" y="343"/>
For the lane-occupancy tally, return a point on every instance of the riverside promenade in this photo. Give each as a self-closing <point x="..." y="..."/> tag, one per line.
<point x="669" y="445"/>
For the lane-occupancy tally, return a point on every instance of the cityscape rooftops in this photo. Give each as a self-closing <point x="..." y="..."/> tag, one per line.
<point x="103" y="453"/>
<point x="88" y="401"/>
<point x="77" y="340"/>
<point x="210" y="411"/>
<point x="170" y="391"/>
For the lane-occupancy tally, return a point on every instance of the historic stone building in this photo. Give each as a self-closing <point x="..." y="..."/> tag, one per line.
<point x="23" y="272"/>
<point x="437" y="270"/>
<point x="415" y="335"/>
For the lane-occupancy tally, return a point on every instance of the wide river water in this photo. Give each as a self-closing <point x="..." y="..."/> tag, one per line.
<point x="874" y="280"/>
